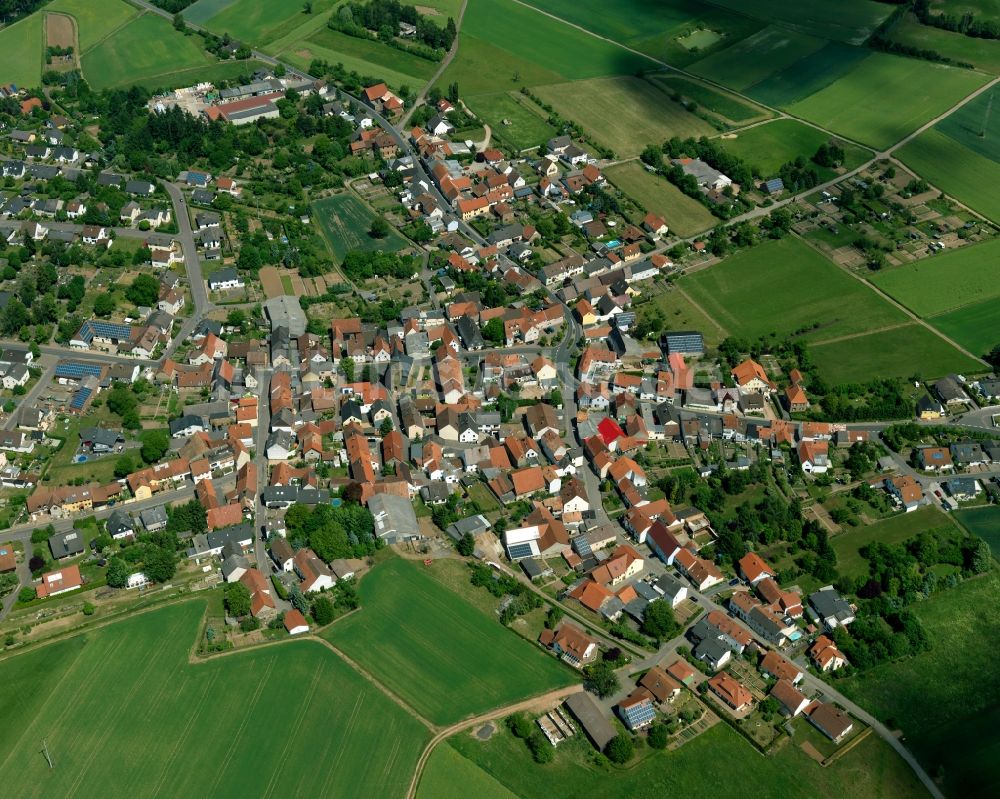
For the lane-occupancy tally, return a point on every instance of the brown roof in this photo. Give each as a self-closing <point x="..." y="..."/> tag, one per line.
<point x="730" y="690"/>
<point x="293" y="619"/>
<point x="788" y="695"/>
<point x="783" y="669"/>
<point x="831" y="720"/>
<point x="660" y="684"/>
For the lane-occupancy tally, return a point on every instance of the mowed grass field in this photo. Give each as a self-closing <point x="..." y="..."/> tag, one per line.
<point x="871" y="769"/>
<point x="976" y="327"/>
<point x="525" y="129"/>
<point x="377" y="55"/>
<point x="723" y="104"/>
<point x="95" y="19"/>
<point x="213" y="73"/>
<point x="21" y="48"/>
<point x="886" y="97"/>
<point x="955" y="169"/>
<point x="448" y="775"/>
<point x="679" y="313"/>
<point x="252" y="21"/>
<point x="145" y="48"/>
<point x="984" y="522"/>
<point x="345" y="221"/>
<point x="291" y="719"/>
<point x="623" y="113"/>
<point x="947" y="700"/>
<point x="757" y="57"/>
<point x="685" y="216"/>
<point x="767" y="147"/>
<point x="447" y="658"/>
<point x="894" y="530"/>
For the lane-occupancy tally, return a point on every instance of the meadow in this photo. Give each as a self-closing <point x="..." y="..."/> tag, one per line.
<point x="984" y="522"/>
<point x="95" y="19"/>
<point x="526" y="128"/>
<point x="757" y="57"/>
<point x="947" y="281"/>
<point x="726" y="105"/>
<point x="767" y="147"/>
<point x="808" y="75"/>
<point x="893" y="530"/>
<point x="448" y="775"/>
<point x="870" y="769"/>
<point x="145" y="48"/>
<point x="976" y="327"/>
<point x="213" y="73"/>
<point x="983" y="53"/>
<point x="251" y="21"/>
<point x="377" y="54"/>
<point x="291" y="719"/>
<point x="685" y="216"/>
<point x="623" y="114"/>
<point x="345" y="221"/>
<point x="300" y="53"/>
<point x="21" y="47"/>
<point x="679" y="314"/>
<point x="444" y="656"/>
<point x="947" y="700"/>
<point x="900" y="352"/>
<point x="958" y="171"/>
<point x="851" y="21"/>
<point x="856" y="105"/>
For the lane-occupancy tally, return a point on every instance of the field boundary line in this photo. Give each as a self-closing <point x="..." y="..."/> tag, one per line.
<point x="112" y="32"/>
<point x="711" y="317"/>
<point x="849" y="336"/>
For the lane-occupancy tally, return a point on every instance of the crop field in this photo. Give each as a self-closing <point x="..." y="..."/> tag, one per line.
<point x="984" y="522"/>
<point x="850" y="21"/>
<point x="808" y="75"/>
<point x="947" y="700"/>
<point x="976" y="327"/>
<point x="785" y="286"/>
<point x="624" y="114"/>
<point x="855" y="106"/>
<point x="21" y="47"/>
<point x="145" y="48"/>
<point x="726" y="105"/>
<point x="301" y="53"/>
<point x="870" y="769"/>
<point x="380" y="56"/>
<point x="756" y="58"/>
<point x="685" y="216"/>
<point x="526" y="128"/>
<point x="958" y="171"/>
<point x="947" y="281"/>
<point x="679" y="313"/>
<point x="983" y="53"/>
<point x="437" y="651"/>
<point x="900" y="352"/>
<point x="767" y="147"/>
<point x="894" y="530"/>
<point x="505" y="45"/>
<point x="251" y="21"/>
<point x="974" y="126"/>
<point x="222" y="70"/>
<point x="448" y="775"/>
<point x="95" y="19"/>
<point x="345" y="221"/>
<point x="197" y="729"/>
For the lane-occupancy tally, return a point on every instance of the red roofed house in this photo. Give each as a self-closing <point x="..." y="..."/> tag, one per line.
<point x="295" y="622"/>
<point x="609" y="430"/>
<point x="224" y="516"/>
<point x="789" y="697"/>
<point x="754" y="569"/>
<point x="825" y="655"/>
<point x="730" y="691"/>
<point x="59" y="582"/>
<point x="571" y="643"/>
<point x="750" y="376"/>
<point x="796" y="399"/>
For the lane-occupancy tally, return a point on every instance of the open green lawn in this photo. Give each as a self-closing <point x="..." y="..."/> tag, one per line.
<point x="976" y="327"/>
<point x="767" y="147"/>
<point x="785" y="286"/>
<point x="856" y="105"/>
<point x="685" y="216"/>
<point x="525" y="129"/>
<point x="984" y="522"/>
<point x="143" y="49"/>
<point x="947" y="281"/>
<point x="719" y="102"/>
<point x="898" y="528"/>
<point x="253" y="21"/>
<point x="345" y="221"/>
<point x="288" y="720"/>
<point x="947" y="700"/>
<point x="624" y="114"/>
<point x="814" y="71"/>
<point x="448" y="775"/>
<point x="502" y="40"/>
<point x="900" y="352"/>
<point x="963" y="173"/>
<point x="756" y="58"/>
<point x="21" y="47"/>
<point x="850" y="21"/>
<point x="95" y="19"/>
<point x="983" y="53"/>
<point x="678" y="313"/>
<point x="446" y="657"/>
<point x="871" y="769"/>
<point x="377" y="54"/>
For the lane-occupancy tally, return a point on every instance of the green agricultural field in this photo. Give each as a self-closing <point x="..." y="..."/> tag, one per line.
<point x="678" y="313"/>
<point x="785" y="286"/>
<point x="145" y="48"/>
<point x="983" y="53"/>
<point x="850" y="21"/>
<point x="894" y="530"/>
<point x="448" y="775"/>
<point x="947" y="700"/>
<point x="21" y="47"/>
<point x="301" y="54"/>
<point x="900" y="352"/>
<point x="253" y="21"/>
<point x="380" y="56"/>
<point x="947" y="281"/>
<point x="505" y="45"/>
<point x="95" y="19"/>
<point x="976" y="327"/>
<point x="444" y="656"/>
<point x="856" y="105"/>
<point x="756" y="58"/>
<point x="345" y="221"/>
<point x="767" y="147"/>
<point x="624" y="114"/>
<point x="870" y="769"/>
<point x="974" y="125"/>
<point x="526" y="128"/>
<point x="685" y="216"/>
<point x="984" y="522"/>
<point x="724" y="104"/>
<point x="808" y="75"/>
<point x="183" y="729"/>
<point x="958" y="171"/>
<point x="214" y="73"/>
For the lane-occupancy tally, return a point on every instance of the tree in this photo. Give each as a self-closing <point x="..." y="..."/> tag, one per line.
<point x="600" y="679"/>
<point x="493" y="331"/>
<point x="322" y="610"/>
<point x="982" y="558"/>
<point x="379" y="228"/>
<point x="249" y="624"/>
<point x="994" y="357"/>
<point x="658" y="736"/>
<point x="26" y="594"/>
<point x="466" y="545"/>
<point x="541" y="750"/>
<point x="117" y="573"/>
<point x="144" y="290"/>
<point x="386" y="427"/>
<point x="298" y="599"/>
<point x="179" y="23"/>
<point x="307" y="8"/>
<point x="237" y="599"/>
<point x="658" y="620"/>
<point x="159" y="564"/>
<point x="519" y="725"/>
<point x="155" y="444"/>
<point x="620" y="749"/>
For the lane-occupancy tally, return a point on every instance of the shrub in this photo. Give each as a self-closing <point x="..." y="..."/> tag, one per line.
<point x="519" y="725"/>
<point x="26" y="594"/>
<point x="620" y="749"/>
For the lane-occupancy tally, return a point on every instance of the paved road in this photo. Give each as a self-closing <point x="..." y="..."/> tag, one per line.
<point x="49" y="364"/>
<point x="405" y="121"/>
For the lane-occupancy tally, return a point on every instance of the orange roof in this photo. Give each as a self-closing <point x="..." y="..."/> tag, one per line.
<point x="730" y="690"/>
<point x="591" y="595"/>
<point x="754" y="567"/>
<point x="224" y="516"/>
<point x="749" y="370"/>
<point x="528" y="481"/>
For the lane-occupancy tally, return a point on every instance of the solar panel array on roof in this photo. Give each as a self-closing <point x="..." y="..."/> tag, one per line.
<point x="109" y="329"/>
<point x="77" y="370"/>
<point x="80" y="399"/>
